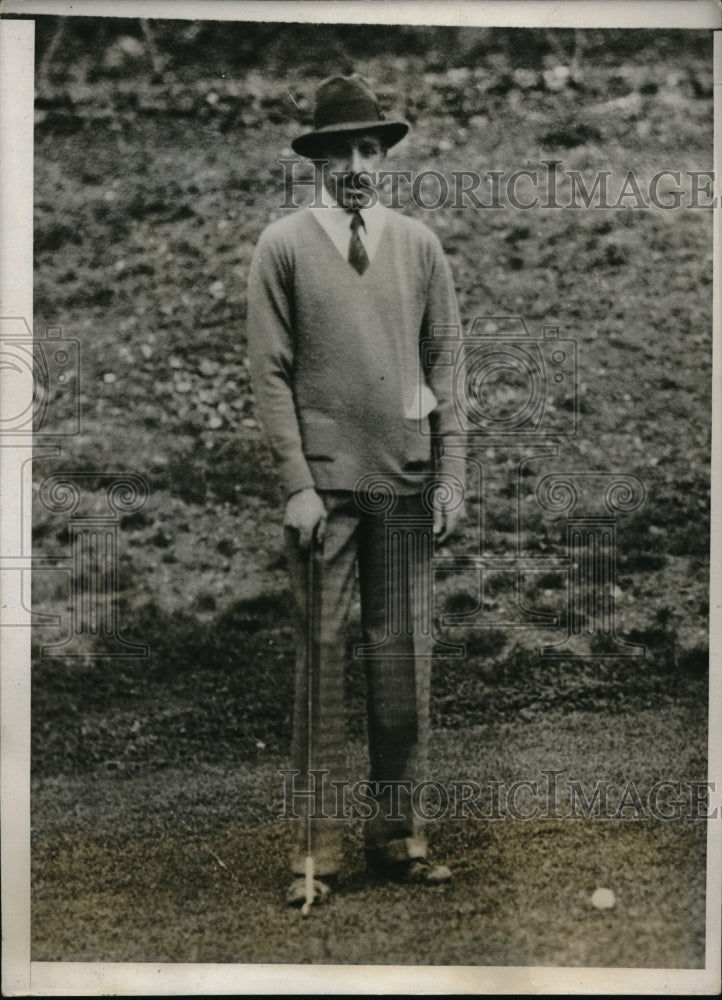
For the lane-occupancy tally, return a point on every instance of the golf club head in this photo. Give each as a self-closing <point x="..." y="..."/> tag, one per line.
<point x="297" y="895"/>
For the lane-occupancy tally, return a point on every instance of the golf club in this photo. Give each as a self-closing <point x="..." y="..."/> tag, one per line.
<point x="310" y="649"/>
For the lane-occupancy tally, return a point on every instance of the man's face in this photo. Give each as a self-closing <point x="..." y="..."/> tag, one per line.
<point x="351" y="174"/>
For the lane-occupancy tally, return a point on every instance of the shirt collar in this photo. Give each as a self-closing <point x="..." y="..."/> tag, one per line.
<point x="337" y="223"/>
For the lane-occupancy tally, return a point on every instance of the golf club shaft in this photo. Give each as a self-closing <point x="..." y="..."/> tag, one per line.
<point x="310" y="647"/>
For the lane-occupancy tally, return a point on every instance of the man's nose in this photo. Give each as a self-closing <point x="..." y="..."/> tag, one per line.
<point x="357" y="161"/>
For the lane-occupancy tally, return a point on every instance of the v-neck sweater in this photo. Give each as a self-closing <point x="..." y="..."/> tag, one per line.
<point x="335" y="356"/>
<point x="337" y="223"/>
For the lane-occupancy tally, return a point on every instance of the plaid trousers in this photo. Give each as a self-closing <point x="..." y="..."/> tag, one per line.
<point x="392" y="550"/>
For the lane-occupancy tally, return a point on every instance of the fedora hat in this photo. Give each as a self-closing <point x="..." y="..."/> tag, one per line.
<point x="347" y="104"/>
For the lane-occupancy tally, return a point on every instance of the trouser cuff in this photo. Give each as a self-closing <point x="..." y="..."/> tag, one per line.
<point x="396" y="852"/>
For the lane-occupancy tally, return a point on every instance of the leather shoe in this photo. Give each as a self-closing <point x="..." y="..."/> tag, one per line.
<point x="414" y="871"/>
<point x="419" y="871"/>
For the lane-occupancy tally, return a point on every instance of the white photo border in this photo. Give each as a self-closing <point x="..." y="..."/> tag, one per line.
<point x="20" y="976"/>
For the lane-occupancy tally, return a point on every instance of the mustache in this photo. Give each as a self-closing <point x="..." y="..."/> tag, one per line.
<point x="363" y="180"/>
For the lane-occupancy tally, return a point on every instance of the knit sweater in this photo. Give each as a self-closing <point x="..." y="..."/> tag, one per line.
<point x="335" y="356"/>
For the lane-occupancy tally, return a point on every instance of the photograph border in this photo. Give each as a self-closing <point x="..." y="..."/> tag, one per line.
<point x="20" y="976"/>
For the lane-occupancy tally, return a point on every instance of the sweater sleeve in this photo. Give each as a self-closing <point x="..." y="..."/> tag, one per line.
<point x="442" y="311"/>
<point x="271" y="357"/>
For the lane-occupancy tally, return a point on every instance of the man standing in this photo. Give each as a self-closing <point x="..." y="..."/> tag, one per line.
<point x="340" y="297"/>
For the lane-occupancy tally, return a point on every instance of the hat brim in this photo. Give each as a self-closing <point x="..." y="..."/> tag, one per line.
<point x="309" y="144"/>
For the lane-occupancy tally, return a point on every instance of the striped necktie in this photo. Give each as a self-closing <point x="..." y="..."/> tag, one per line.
<point x="357" y="256"/>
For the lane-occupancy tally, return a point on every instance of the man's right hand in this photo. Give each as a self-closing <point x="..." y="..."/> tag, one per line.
<point x="305" y="513"/>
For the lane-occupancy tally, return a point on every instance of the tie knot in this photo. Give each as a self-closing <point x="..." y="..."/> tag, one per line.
<point x="356" y="221"/>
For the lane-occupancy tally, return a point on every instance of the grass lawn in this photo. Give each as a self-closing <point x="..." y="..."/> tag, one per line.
<point x="189" y="865"/>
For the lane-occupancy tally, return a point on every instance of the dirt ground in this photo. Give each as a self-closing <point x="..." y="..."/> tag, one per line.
<point x="156" y="834"/>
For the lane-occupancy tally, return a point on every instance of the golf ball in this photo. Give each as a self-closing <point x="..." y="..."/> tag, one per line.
<point x="603" y="899"/>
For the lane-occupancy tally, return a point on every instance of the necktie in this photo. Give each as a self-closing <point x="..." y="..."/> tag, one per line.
<point x="357" y="256"/>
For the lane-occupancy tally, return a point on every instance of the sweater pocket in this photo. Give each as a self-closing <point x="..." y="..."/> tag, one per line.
<point x="320" y="436"/>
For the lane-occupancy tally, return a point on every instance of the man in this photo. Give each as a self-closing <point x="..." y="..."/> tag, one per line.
<point x="340" y="297"/>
